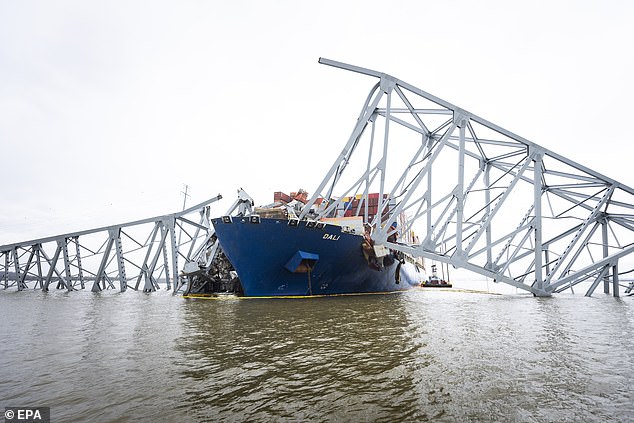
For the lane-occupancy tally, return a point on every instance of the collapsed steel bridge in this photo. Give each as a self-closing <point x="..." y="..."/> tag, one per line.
<point x="140" y="255"/>
<point x="480" y="197"/>
<point x="135" y="255"/>
<point x="474" y="195"/>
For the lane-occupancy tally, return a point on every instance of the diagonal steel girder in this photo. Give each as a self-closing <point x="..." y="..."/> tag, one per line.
<point x="477" y="196"/>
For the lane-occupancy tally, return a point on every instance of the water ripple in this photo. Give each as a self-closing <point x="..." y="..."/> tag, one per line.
<point x="422" y="356"/>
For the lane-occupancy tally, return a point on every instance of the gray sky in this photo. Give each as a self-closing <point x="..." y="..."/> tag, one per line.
<point x="108" y="108"/>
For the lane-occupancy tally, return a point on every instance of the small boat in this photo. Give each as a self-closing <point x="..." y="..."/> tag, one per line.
<point x="434" y="281"/>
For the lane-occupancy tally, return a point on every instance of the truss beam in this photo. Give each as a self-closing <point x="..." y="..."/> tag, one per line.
<point x="554" y="247"/>
<point x="105" y="255"/>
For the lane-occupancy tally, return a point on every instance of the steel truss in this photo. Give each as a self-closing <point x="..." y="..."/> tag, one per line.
<point x="135" y="255"/>
<point x="480" y="197"/>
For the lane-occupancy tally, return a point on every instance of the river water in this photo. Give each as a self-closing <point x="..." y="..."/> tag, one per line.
<point x="417" y="356"/>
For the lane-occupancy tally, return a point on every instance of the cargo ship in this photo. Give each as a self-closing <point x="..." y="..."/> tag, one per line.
<point x="272" y="253"/>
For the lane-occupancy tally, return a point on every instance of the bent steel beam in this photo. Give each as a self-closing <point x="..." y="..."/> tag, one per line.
<point x="474" y="225"/>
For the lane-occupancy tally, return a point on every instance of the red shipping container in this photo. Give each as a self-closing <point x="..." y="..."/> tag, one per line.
<point x="280" y="196"/>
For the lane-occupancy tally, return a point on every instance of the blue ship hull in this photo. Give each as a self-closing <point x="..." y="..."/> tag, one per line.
<point x="275" y="258"/>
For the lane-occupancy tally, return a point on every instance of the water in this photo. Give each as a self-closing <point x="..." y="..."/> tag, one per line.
<point x="419" y="356"/>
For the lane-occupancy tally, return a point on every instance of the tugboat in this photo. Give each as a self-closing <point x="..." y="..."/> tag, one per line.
<point x="434" y="281"/>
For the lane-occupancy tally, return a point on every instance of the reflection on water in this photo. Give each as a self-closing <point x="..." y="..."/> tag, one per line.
<point x="419" y="356"/>
<point x="303" y="358"/>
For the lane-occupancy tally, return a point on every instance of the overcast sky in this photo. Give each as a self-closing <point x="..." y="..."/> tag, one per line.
<point x="108" y="108"/>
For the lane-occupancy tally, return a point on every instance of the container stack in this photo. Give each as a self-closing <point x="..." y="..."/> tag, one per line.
<point x="355" y="206"/>
<point x="349" y="207"/>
